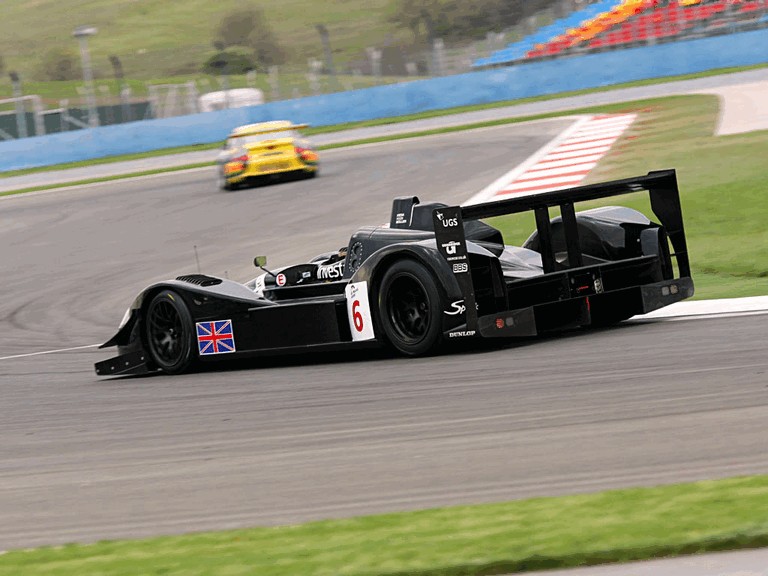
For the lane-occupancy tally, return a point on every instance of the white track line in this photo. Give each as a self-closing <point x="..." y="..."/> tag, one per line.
<point x="709" y="308"/>
<point x="49" y="352"/>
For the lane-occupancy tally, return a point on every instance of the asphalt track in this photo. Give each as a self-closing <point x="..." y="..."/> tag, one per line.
<point x="296" y="439"/>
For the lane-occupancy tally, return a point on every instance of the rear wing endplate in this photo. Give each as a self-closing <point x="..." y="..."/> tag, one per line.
<point x="665" y="204"/>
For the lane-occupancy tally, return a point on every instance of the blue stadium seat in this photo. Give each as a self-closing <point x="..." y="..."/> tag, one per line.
<point x="518" y="50"/>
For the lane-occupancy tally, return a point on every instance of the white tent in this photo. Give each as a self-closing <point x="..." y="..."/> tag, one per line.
<point x="235" y="98"/>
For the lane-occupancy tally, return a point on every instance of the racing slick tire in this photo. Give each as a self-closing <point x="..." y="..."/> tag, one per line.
<point x="169" y="332"/>
<point x="222" y="183"/>
<point x="409" y="308"/>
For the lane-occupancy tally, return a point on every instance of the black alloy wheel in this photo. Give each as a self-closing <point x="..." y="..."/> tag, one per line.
<point x="169" y="333"/>
<point x="409" y="307"/>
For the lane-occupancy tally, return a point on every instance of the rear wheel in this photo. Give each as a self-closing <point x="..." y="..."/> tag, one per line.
<point x="169" y="333"/>
<point x="223" y="184"/>
<point x="409" y="306"/>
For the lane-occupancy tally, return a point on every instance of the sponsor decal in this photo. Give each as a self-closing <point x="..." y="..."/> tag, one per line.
<point x="499" y="323"/>
<point x="280" y="280"/>
<point x="358" y="311"/>
<point x="215" y="337"/>
<point x="331" y="271"/>
<point x="598" y="285"/>
<point x="259" y="285"/>
<point x="400" y="218"/>
<point x="450" y="247"/>
<point x="447" y="222"/>
<point x="460" y="268"/>
<point x="457" y="308"/>
<point x="461" y="334"/>
<point x="355" y="256"/>
<point x="305" y="275"/>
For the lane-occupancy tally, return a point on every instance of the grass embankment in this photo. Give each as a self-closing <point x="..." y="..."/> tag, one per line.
<point x="520" y="536"/>
<point x="723" y="182"/>
<point x="155" y="38"/>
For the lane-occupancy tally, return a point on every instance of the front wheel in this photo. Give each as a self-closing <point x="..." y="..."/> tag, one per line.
<point x="409" y="306"/>
<point x="169" y="333"/>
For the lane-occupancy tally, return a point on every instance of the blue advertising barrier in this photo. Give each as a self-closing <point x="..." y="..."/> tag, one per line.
<point x="510" y="83"/>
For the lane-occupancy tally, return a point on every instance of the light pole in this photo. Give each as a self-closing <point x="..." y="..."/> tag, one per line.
<point x="21" y="112"/>
<point x="221" y="66"/>
<point x="325" y="38"/>
<point x="120" y="78"/>
<point x="82" y="33"/>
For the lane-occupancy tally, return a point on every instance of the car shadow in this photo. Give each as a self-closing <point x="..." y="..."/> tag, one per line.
<point x="475" y="346"/>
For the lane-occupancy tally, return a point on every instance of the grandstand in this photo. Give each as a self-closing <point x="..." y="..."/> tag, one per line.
<point x="612" y="24"/>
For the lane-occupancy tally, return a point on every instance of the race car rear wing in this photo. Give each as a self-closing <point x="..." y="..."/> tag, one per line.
<point x="665" y="203"/>
<point x="451" y="242"/>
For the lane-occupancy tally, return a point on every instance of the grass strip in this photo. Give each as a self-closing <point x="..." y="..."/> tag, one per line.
<point x="105" y="179"/>
<point x="519" y="536"/>
<point x="722" y="181"/>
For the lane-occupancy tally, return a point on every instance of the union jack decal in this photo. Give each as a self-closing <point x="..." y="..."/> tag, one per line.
<point x="215" y="337"/>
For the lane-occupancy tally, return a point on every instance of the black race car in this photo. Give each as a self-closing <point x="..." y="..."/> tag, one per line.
<point x="435" y="273"/>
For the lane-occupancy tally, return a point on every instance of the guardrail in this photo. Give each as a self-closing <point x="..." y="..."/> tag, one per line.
<point x="522" y="81"/>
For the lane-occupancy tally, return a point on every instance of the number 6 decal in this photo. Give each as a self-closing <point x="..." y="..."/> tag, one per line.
<point x="357" y="318"/>
<point x="359" y="311"/>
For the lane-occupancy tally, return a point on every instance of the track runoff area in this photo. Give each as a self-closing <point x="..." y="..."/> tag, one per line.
<point x="565" y="162"/>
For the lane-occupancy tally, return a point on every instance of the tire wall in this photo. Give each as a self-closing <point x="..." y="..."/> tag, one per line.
<point x="509" y="83"/>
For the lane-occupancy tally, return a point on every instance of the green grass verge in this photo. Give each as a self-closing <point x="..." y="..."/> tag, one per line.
<point x="519" y="536"/>
<point x="104" y="179"/>
<point x="723" y="184"/>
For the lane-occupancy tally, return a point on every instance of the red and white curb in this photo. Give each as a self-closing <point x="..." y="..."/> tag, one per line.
<point x="564" y="162"/>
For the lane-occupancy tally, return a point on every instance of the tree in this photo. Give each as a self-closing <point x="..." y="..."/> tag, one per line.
<point x="249" y="28"/>
<point x="60" y="64"/>
<point x="416" y="15"/>
<point x="231" y="60"/>
<point x="460" y="19"/>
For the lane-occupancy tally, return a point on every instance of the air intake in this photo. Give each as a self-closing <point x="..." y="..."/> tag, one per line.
<point x="200" y="279"/>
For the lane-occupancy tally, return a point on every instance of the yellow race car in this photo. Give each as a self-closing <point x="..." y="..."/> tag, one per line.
<point x="260" y="152"/>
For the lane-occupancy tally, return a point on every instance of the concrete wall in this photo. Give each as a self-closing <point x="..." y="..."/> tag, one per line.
<point x="533" y="79"/>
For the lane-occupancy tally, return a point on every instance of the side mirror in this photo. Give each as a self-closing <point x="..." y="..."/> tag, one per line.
<point x="260" y="262"/>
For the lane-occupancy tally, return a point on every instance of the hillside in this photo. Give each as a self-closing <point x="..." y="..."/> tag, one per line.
<point x="156" y="38"/>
